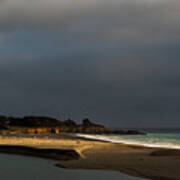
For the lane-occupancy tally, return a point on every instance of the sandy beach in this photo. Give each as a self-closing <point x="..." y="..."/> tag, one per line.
<point x="152" y="163"/>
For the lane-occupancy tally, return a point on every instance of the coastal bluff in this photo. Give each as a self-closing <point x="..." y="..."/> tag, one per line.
<point x="41" y="125"/>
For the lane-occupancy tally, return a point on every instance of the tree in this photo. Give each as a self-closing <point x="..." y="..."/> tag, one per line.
<point x="87" y="122"/>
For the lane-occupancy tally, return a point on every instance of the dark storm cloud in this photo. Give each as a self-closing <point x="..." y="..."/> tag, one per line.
<point x="77" y="86"/>
<point x="117" y="62"/>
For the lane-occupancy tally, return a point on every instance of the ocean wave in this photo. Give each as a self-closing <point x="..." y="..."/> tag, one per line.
<point x="170" y="141"/>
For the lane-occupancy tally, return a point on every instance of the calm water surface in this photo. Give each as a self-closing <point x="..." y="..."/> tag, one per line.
<point x="27" y="168"/>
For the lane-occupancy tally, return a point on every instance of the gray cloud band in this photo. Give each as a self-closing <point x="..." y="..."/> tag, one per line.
<point x="145" y="21"/>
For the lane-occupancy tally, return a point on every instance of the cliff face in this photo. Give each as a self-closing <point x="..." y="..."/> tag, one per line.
<point x="40" y="125"/>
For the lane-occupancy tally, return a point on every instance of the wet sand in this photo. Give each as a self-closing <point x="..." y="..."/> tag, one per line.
<point x="152" y="163"/>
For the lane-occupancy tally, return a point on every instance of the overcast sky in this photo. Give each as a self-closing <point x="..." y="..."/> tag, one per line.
<point x="114" y="61"/>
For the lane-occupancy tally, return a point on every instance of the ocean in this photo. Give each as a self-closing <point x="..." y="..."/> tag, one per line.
<point x="164" y="138"/>
<point x="29" y="168"/>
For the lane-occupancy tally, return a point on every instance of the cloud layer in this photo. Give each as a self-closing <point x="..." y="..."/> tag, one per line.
<point x="134" y="21"/>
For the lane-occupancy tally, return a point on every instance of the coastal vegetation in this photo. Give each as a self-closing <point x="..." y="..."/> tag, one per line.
<point x="40" y="125"/>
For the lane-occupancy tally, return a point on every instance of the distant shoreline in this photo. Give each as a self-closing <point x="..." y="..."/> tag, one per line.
<point x="79" y="153"/>
<point x="42" y="125"/>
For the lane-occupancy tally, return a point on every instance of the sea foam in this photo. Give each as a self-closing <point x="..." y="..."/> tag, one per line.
<point x="171" y="141"/>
